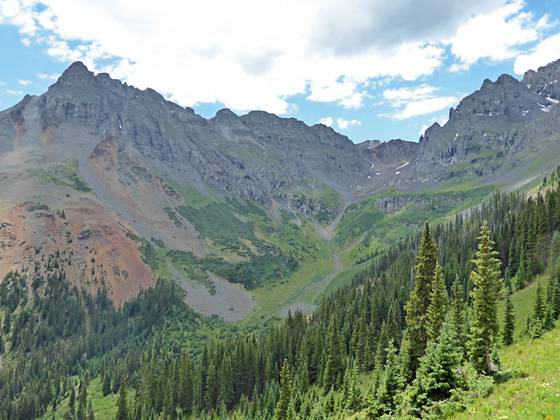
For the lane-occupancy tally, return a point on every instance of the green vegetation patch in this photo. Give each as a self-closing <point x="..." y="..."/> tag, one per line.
<point x="66" y="174"/>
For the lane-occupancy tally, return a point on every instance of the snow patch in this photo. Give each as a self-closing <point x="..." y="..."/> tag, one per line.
<point x="552" y="100"/>
<point x="402" y="166"/>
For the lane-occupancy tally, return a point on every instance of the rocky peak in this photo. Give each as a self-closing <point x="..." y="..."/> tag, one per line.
<point x="76" y="70"/>
<point x="545" y="81"/>
<point x="225" y="116"/>
<point x="506" y="97"/>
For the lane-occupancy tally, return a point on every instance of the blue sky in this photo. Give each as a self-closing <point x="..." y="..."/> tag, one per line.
<point x="369" y="68"/>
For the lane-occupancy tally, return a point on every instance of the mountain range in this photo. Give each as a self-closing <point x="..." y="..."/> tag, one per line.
<point x="126" y="187"/>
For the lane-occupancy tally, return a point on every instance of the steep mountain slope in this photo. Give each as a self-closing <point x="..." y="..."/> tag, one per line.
<point x="502" y="132"/>
<point x="130" y="186"/>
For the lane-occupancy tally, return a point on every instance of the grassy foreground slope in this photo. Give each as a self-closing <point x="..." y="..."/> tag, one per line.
<point x="534" y="364"/>
<point x="534" y="392"/>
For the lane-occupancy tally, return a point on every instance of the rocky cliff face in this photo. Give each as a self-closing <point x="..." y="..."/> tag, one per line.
<point x="93" y="142"/>
<point x="498" y="128"/>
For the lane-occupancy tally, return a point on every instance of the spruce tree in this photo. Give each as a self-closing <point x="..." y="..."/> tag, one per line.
<point x="486" y="293"/>
<point x="384" y="402"/>
<point x="122" y="403"/>
<point x="438" y="373"/>
<point x="72" y="400"/>
<point x="281" y="412"/>
<point x="419" y="300"/>
<point x="225" y="383"/>
<point x="438" y="305"/>
<point x="106" y="384"/>
<point x="549" y="310"/>
<point x="539" y="311"/>
<point x="509" y="321"/>
<point x="457" y="316"/>
<point x="334" y="367"/>
<point x="350" y="389"/>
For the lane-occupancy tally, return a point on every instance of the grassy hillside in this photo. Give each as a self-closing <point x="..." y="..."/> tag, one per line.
<point x="534" y="365"/>
<point x="534" y="392"/>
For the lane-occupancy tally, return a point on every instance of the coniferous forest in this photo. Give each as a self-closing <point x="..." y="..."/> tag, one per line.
<point x="421" y="327"/>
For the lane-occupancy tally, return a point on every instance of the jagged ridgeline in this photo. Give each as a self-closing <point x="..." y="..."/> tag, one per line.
<point x="65" y="351"/>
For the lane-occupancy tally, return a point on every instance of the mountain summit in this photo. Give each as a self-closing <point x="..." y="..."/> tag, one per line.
<point x="126" y="163"/>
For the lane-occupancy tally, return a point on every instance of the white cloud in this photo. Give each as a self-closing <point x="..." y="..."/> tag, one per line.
<point x="403" y="95"/>
<point x="45" y="76"/>
<point x="496" y="35"/>
<point x="546" y="51"/>
<point x="14" y="92"/>
<point x="424" y="107"/>
<point x="344" y="124"/>
<point x="243" y="54"/>
<point x="24" y="82"/>
<point x="328" y="121"/>
<point x="416" y="101"/>
<point x="258" y="55"/>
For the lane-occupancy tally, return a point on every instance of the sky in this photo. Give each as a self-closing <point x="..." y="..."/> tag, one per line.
<point x="371" y="69"/>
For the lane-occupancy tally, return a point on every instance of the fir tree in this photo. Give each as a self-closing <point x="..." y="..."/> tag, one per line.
<point x="419" y="300"/>
<point x="72" y="400"/>
<point x="438" y="305"/>
<point x="438" y="373"/>
<point x="537" y="326"/>
<point x="457" y="316"/>
<point x="486" y="294"/>
<point x="334" y="367"/>
<point x="106" y="384"/>
<point x="384" y="402"/>
<point x="350" y="389"/>
<point x="281" y="412"/>
<point x="122" y="403"/>
<point x="509" y="321"/>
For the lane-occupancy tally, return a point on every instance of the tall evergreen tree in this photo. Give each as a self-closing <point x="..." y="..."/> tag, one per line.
<point x="437" y="308"/>
<point x="281" y="412"/>
<point x="122" y="403"/>
<point x="486" y="293"/>
<point x="384" y="401"/>
<point x="350" y="389"/>
<point x="457" y="315"/>
<point x="419" y="300"/>
<point x="537" y="324"/>
<point x="106" y="384"/>
<point x="438" y="373"/>
<point x="509" y="321"/>
<point x="334" y="367"/>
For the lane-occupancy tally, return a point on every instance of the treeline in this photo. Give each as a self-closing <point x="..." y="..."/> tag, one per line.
<point x="52" y="332"/>
<point x="308" y="366"/>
